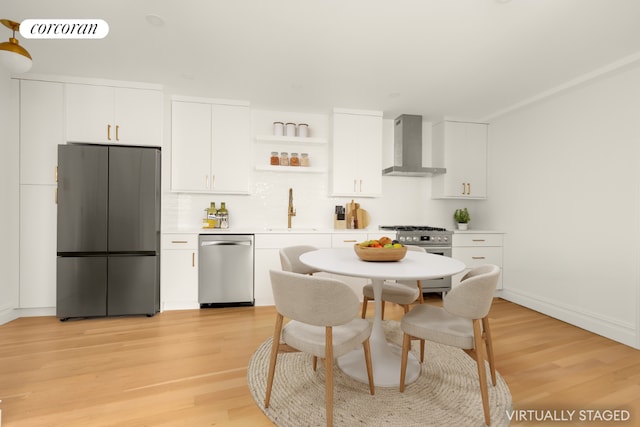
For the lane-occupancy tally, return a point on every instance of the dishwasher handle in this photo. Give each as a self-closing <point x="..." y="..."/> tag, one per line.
<point x="226" y="243"/>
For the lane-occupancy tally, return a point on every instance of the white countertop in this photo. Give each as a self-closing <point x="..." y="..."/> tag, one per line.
<point x="275" y="230"/>
<point x="478" y="232"/>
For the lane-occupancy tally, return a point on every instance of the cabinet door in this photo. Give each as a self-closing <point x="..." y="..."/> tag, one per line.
<point x="90" y="113"/>
<point x="462" y="149"/>
<point x="369" y="156"/>
<point x="38" y="215"/>
<point x="179" y="279"/>
<point x="231" y="154"/>
<point x="138" y="117"/>
<point x="190" y="146"/>
<point x="41" y="130"/>
<point x="357" y="155"/>
<point x="345" y="154"/>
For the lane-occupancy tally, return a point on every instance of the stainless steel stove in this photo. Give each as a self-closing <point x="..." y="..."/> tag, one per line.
<point x="420" y="235"/>
<point x="435" y="240"/>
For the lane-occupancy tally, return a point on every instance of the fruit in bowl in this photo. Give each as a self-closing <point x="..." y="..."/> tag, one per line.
<point x="382" y="249"/>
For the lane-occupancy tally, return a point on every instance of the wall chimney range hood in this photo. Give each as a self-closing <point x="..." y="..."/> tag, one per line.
<point x="407" y="149"/>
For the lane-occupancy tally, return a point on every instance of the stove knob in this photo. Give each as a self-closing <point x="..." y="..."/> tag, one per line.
<point x="401" y="238"/>
<point x="415" y="238"/>
<point x="445" y="238"/>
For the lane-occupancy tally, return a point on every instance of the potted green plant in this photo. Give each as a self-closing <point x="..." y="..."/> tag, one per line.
<point x="462" y="218"/>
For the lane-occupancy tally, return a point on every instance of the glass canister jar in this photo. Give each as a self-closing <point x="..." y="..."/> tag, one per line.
<point x="275" y="159"/>
<point x="304" y="159"/>
<point x="284" y="159"/>
<point x="294" y="160"/>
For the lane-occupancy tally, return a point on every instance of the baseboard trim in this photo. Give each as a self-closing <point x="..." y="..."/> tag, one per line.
<point x="613" y="329"/>
<point x="7" y="315"/>
<point x="36" y="312"/>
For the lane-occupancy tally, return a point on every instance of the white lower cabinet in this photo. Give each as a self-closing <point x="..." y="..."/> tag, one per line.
<point x="267" y="257"/>
<point x="38" y="245"/>
<point x="477" y="248"/>
<point x="179" y="272"/>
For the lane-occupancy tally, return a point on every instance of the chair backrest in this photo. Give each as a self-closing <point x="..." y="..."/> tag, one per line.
<point x="472" y="298"/>
<point x="290" y="259"/>
<point x="318" y="301"/>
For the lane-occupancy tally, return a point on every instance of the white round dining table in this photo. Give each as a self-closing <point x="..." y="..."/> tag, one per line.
<point x="385" y="356"/>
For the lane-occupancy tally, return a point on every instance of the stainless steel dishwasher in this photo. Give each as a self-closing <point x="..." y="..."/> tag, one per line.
<point x="226" y="270"/>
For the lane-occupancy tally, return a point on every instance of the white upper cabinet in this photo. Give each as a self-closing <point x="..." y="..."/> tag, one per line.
<point x="357" y="153"/>
<point x="210" y="147"/>
<point x="461" y="148"/>
<point x="41" y="130"/>
<point x="113" y="115"/>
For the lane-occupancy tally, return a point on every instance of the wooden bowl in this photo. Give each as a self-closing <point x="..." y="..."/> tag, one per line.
<point x="380" y="254"/>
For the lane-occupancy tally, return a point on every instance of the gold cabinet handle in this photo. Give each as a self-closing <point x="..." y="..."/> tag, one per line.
<point x="464" y="189"/>
<point x="55" y="196"/>
<point x="361" y="186"/>
<point x="55" y="174"/>
<point x="117" y="129"/>
<point x="193" y="259"/>
<point x="179" y="241"/>
<point x="206" y="181"/>
<point x="213" y="182"/>
<point x="108" y="132"/>
<point x="350" y="241"/>
<point x="468" y="188"/>
<point x="478" y="240"/>
<point x="477" y="257"/>
<point x="355" y="184"/>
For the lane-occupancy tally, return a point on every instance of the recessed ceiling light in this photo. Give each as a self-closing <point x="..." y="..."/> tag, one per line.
<point x="155" y="20"/>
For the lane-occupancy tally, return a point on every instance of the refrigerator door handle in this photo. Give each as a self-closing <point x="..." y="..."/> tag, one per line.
<point x="227" y="243"/>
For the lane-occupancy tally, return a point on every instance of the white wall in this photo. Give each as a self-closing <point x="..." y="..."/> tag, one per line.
<point x="8" y="197"/>
<point x="564" y="177"/>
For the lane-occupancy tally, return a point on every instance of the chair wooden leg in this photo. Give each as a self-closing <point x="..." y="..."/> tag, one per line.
<point x="382" y="313"/>
<point x="406" y="308"/>
<point x="315" y="362"/>
<point x="421" y="351"/>
<point x="365" y="301"/>
<point x="274" y="357"/>
<point x="482" y="374"/>
<point x="367" y="359"/>
<point x="328" y="375"/>
<point x="406" y="345"/>
<point x="489" y="343"/>
<point x="420" y="296"/>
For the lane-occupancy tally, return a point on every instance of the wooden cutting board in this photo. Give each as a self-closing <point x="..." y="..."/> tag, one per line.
<point x="363" y="218"/>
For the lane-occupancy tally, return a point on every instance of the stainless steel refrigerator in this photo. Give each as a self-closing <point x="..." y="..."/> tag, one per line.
<point x="108" y="248"/>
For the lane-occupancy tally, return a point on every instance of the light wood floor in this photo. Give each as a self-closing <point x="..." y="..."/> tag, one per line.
<point x="188" y="368"/>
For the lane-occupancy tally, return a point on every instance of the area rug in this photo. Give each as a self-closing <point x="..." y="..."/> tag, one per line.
<point x="447" y="393"/>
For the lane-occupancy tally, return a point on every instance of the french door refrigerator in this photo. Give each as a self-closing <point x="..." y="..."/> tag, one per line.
<point x="108" y="249"/>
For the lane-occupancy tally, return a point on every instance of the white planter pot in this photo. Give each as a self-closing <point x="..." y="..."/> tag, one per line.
<point x="463" y="226"/>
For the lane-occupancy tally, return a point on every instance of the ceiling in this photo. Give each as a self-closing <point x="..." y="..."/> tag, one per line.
<point x="457" y="58"/>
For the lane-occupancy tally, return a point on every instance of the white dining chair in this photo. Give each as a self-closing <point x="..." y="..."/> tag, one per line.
<point x="290" y="259"/>
<point x="396" y="292"/>
<point x="462" y="322"/>
<point x="323" y="322"/>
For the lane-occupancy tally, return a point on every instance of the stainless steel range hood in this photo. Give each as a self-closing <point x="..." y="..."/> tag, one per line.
<point x="407" y="149"/>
